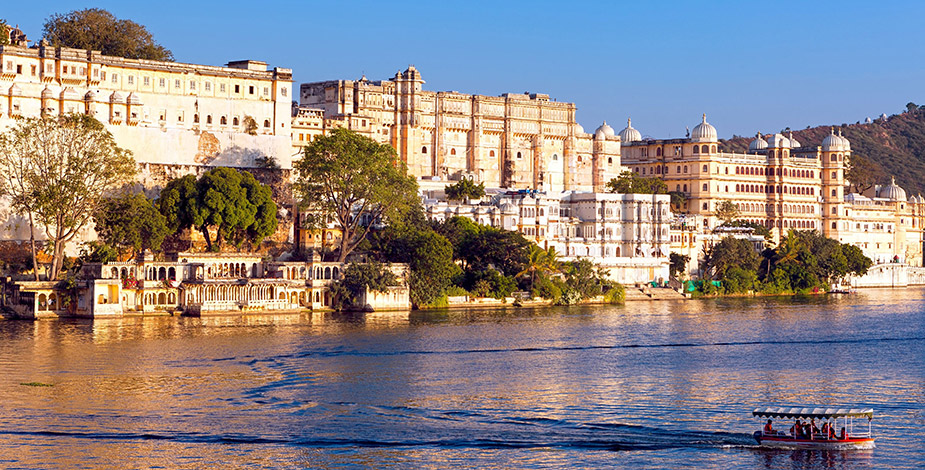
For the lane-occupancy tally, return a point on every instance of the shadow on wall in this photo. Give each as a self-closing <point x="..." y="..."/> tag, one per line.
<point x="238" y="157"/>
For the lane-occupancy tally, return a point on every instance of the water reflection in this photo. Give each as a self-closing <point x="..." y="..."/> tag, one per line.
<point x="662" y="384"/>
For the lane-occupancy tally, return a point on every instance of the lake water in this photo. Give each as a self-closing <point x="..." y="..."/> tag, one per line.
<point x="646" y="385"/>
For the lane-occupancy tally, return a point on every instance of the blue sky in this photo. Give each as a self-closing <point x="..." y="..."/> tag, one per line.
<point x="749" y="66"/>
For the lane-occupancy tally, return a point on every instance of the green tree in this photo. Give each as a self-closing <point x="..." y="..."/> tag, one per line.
<point x="58" y="171"/>
<point x="503" y="250"/>
<point x="536" y="261"/>
<point x="677" y="264"/>
<point x="4" y="32"/>
<point x="428" y="254"/>
<point x="232" y="202"/>
<point x="727" y="211"/>
<point x="131" y="221"/>
<point x="858" y="263"/>
<point x="728" y="253"/>
<point x="465" y="188"/>
<point x="863" y="173"/>
<point x="361" y="277"/>
<point x="631" y="183"/>
<point x="354" y="181"/>
<point x="97" y="29"/>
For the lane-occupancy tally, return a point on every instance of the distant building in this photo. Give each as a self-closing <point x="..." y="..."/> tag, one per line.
<point x="627" y="234"/>
<point x="194" y="284"/>
<point x="515" y="141"/>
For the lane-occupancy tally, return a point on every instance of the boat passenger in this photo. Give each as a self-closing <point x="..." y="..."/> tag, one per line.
<point x="844" y="435"/>
<point x="831" y="430"/>
<point x="768" y="429"/>
<point x="826" y="430"/>
<point x="813" y="430"/>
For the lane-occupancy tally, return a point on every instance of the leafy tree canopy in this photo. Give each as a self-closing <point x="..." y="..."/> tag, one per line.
<point x="465" y="188"/>
<point x="354" y="181"/>
<point x="232" y="202"/>
<point x="728" y="253"/>
<point x="57" y="171"/>
<point x="863" y="173"/>
<point x="727" y="211"/>
<point x="131" y="221"/>
<point x="631" y="183"/>
<point x="97" y="29"/>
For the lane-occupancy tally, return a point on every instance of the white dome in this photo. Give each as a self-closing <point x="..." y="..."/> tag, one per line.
<point x="833" y="142"/>
<point x="778" y="141"/>
<point x="508" y="208"/>
<point x="757" y="144"/>
<point x="703" y="132"/>
<point x="892" y="191"/>
<point x="793" y="142"/>
<point x="845" y="141"/>
<point x="604" y="131"/>
<point x="579" y="129"/>
<point x="629" y="134"/>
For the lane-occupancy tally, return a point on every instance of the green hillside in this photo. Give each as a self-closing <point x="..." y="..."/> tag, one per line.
<point x="896" y="143"/>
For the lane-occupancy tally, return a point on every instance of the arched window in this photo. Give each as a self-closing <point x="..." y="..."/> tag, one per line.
<point x="609" y="160"/>
<point x="195" y="119"/>
<point x="209" y="119"/>
<point x="704" y="186"/>
<point x="491" y="153"/>
<point x="266" y="123"/>
<point x="706" y="169"/>
<point x="704" y="149"/>
<point x="696" y="150"/>
<point x="520" y="156"/>
<point x="424" y="149"/>
<point x="658" y="152"/>
<point x="453" y="152"/>
<point x="713" y="148"/>
<point x="705" y="206"/>
<point x="685" y="188"/>
<point x="832" y="158"/>
<point x="223" y="121"/>
<point x="235" y="121"/>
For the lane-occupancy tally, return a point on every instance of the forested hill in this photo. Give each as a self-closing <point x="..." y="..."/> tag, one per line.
<point x="897" y="144"/>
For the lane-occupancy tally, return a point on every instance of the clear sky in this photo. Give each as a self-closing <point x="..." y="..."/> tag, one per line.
<point x="750" y="66"/>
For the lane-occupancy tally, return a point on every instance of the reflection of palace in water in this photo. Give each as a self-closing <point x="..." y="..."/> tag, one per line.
<point x="193" y="284"/>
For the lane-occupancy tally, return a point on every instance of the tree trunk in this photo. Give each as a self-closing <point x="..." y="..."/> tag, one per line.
<point x="344" y="243"/>
<point x="35" y="264"/>
<point x="205" y="233"/>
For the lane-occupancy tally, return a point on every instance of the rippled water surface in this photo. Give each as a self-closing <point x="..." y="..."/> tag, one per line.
<point x="648" y="385"/>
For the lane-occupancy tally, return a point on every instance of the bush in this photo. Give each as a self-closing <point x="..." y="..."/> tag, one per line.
<point x="549" y="289"/>
<point x="616" y="295"/>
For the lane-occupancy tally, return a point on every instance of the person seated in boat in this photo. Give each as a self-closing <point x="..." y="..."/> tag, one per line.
<point x="768" y="429"/>
<point x="826" y="430"/>
<point x="813" y="430"/>
<point x="831" y="431"/>
<point x="844" y="435"/>
<point x="795" y="429"/>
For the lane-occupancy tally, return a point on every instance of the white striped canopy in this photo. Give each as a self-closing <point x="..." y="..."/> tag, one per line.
<point x="777" y="412"/>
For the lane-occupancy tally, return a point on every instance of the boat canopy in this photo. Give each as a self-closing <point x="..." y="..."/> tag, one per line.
<point x="776" y="412"/>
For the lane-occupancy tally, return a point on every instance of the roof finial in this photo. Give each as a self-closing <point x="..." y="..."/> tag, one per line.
<point x="892" y="179"/>
<point x="832" y="130"/>
<point x="629" y="122"/>
<point x="704" y="117"/>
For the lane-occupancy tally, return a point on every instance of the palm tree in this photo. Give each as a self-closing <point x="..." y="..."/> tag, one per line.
<point x="536" y="260"/>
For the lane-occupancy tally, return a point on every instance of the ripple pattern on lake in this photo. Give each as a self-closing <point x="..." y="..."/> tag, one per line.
<point x="647" y="385"/>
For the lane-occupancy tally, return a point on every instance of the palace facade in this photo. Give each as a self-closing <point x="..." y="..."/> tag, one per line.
<point x="781" y="184"/>
<point x="515" y="141"/>
<point x="626" y="234"/>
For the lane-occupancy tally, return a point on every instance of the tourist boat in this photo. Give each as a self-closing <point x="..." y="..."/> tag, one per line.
<point x="843" y="435"/>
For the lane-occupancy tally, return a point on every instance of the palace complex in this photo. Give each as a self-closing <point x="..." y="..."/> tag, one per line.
<point x="516" y="141"/>
<point x="546" y="177"/>
<point x="780" y="184"/>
